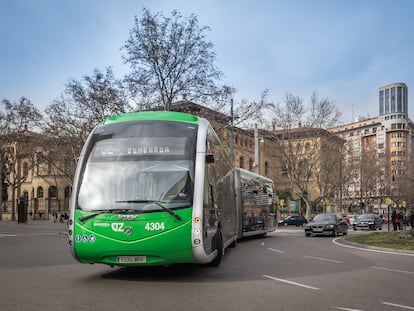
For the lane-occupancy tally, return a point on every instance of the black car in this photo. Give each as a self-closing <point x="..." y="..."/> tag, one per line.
<point x="368" y="221"/>
<point x="293" y="221"/>
<point x="327" y="224"/>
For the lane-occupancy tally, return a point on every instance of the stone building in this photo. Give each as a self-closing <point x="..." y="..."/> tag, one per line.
<point x="36" y="178"/>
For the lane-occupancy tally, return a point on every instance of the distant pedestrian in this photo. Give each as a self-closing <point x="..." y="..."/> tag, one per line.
<point x="399" y="220"/>
<point x="412" y="218"/>
<point x="394" y="219"/>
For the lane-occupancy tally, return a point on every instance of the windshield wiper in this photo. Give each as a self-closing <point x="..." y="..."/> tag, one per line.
<point x="159" y="203"/>
<point x="107" y="211"/>
<point x="103" y="211"/>
<point x="169" y="211"/>
<point x="135" y="201"/>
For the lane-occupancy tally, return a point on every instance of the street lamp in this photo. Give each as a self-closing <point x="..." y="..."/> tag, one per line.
<point x="256" y="149"/>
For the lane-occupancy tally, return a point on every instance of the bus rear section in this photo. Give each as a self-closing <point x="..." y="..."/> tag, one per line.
<point x="257" y="201"/>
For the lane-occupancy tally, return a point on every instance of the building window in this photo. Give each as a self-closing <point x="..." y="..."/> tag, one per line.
<point x="266" y="168"/>
<point x="68" y="191"/>
<point x="393" y="108"/>
<point x="250" y="165"/>
<point x="241" y="162"/>
<point x="387" y="101"/>
<point x="39" y="192"/>
<point x="25" y="169"/>
<point x="52" y="192"/>
<point x="399" y="99"/>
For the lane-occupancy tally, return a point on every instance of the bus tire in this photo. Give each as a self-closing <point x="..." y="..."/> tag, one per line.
<point x="217" y="244"/>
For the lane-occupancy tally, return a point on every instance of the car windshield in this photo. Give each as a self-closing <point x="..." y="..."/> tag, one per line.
<point x="324" y="217"/>
<point x="365" y="216"/>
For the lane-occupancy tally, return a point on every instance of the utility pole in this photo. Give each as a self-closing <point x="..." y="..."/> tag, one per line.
<point x="256" y="149"/>
<point x="231" y="132"/>
<point x="1" y="185"/>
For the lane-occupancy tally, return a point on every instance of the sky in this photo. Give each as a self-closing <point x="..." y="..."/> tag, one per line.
<point x="342" y="49"/>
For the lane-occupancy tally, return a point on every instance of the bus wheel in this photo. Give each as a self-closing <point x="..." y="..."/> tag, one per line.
<point x="217" y="244"/>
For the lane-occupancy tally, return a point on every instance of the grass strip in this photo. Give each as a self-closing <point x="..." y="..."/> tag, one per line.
<point x="403" y="240"/>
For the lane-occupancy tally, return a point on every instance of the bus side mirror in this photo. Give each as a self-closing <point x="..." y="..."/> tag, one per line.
<point x="209" y="158"/>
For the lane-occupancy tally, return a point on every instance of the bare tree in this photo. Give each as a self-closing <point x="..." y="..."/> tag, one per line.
<point x="17" y="143"/>
<point x="83" y="104"/>
<point x="309" y="154"/>
<point x="250" y="112"/>
<point x="170" y="58"/>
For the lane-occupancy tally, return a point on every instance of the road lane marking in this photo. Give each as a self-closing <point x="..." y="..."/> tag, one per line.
<point x="28" y="234"/>
<point x="290" y="282"/>
<point x="397" y="305"/>
<point x="371" y="249"/>
<point x="6" y="235"/>
<point x="276" y="250"/>
<point x="347" y="309"/>
<point x="324" y="259"/>
<point x="392" y="270"/>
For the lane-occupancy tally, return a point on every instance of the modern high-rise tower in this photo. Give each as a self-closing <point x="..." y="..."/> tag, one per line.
<point x="393" y="99"/>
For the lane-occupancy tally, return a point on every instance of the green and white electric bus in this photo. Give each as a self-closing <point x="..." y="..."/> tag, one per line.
<point x="156" y="188"/>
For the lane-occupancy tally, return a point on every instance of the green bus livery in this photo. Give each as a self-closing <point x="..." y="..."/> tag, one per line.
<point x="158" y="188"/>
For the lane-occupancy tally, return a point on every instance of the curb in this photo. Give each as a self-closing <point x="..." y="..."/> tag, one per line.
<point x="344" y="241"/>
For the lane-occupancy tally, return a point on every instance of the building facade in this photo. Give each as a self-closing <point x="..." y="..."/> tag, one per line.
<point x="37" y="180"/>
<point x="378" y="152"/>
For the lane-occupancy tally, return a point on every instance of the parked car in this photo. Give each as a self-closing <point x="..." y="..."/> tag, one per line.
<point x="327" y="224"/>
<point x="369" y="221"/>
<point x="293" y="221"/>
<point x="352" y="219"/>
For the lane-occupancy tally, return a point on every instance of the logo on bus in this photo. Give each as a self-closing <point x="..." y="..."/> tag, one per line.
<point x="117" y="226"/>
<point x="120" y="227"/>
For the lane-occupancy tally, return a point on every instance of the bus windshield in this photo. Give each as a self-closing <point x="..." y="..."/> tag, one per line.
<point x="130" y="170"/>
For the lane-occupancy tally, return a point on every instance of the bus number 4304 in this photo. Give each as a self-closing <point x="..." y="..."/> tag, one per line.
<point x="154" y="226"/>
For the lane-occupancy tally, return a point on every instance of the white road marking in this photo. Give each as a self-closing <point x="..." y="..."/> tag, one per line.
<point x="290" y="282"/>
<point x="323" y="259"/>
<point x="6" y="235"/>
<point x="371" y="249"/>
<point x="397" y="305"/>
<point x="347" y="309"/>
<point x="392" y="270"/>
<point x="276" y="250"/>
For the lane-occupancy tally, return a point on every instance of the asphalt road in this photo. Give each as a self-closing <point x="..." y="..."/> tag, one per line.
<point x="285" y="271"/>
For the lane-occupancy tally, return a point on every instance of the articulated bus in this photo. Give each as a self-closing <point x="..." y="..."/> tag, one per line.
<point x="157" y="188"/>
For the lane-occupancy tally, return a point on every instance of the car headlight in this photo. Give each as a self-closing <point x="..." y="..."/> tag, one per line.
<point x="371" y="222"/>
<point x="329" y="226"/>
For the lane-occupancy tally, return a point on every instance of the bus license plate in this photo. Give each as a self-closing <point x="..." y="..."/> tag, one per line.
<point x="131" y="259"/>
